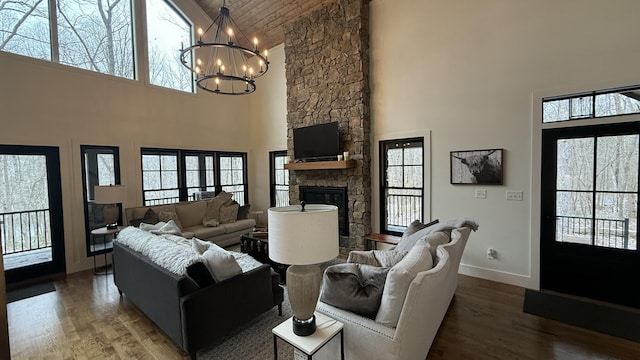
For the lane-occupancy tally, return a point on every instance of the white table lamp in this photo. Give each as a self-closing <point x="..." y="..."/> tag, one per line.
<point x="303" y="236"/>
<point x="110" y="196"/>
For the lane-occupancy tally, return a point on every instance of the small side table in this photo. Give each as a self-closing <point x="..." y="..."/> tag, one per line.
<point x="327" y="329"/>
<point x="104" y="247"/>
<point x="373" y="240"/>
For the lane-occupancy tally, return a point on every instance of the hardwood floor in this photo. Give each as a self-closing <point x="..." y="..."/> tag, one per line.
<point x="87" y="319"/>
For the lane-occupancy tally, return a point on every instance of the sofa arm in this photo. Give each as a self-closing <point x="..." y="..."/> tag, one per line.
<point x="213" y="311"/>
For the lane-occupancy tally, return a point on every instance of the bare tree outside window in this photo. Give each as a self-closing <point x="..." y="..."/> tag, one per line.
<point x="96" y="35"/>
<point x="24" y="28"/>
<point x="167" y="31"/>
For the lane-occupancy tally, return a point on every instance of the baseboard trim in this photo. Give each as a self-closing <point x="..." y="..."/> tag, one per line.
<point x="601" y="317"/>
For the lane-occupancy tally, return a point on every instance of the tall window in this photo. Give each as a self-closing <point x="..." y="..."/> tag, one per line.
<point x="100" y="166"/>
<point x="402" y="190"/>
<point x="160" y="177"/>
<point x="96" y="36"/>
<point x="167" y="31"/>
<point x="233" y="177"/>
<point x="199" y="173"/>
<point x="279" y="178"/>
<point x="24" y="28"/>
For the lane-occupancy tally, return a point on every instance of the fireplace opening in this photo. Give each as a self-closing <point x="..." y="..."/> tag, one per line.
<point x="329" y="196"/>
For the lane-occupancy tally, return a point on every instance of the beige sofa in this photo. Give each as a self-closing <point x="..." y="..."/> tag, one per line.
<point x="190" y="214"/>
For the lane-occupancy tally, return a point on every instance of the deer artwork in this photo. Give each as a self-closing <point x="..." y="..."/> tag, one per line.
<point x="483" y="168"/>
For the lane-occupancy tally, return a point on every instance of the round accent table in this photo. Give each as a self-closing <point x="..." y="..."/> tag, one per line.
<point x="102" y="247"/>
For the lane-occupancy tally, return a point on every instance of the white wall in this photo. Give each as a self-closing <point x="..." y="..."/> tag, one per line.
<point x="467" y="70"/>
<point x="268" y="131"/>
<point x="43" y="103"/>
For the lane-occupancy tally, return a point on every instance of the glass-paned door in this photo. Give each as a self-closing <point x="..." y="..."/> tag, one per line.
<point x="100" y="167"/>
<point x="590" y="212"/>
<point x="31" y="212"/>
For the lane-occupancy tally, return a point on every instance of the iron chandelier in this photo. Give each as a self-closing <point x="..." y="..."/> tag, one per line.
<point x="232" y="61"/>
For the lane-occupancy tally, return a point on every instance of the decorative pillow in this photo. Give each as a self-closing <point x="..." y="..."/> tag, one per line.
<point x="200" y="246"/>
<point x="213" y="207"/>
<point x="354" y="287"/>
<point x="398" y="280"/>
<point x="382" y="258"/>
<point x="221" y="263"/>
<point x="243" y="212"/>
<point x="409" y="238"/>
<point x="414" y="227"/>
<point x="169" y="228"/>
<point x="228" y="213"/>
<point x="150" y="217"/>
<point x="199" y="273"/>
<point x="167" y="215"/>
<point x="135" y="222"/>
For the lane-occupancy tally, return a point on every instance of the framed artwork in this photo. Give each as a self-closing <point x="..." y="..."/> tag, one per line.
<point x="482" y="167"/>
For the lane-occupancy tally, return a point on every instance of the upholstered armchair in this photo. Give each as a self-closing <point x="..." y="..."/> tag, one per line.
<point x="424" y="308"/>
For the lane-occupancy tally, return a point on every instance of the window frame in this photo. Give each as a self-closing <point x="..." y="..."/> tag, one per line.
<point x="273" y="190"/>
<point x="384" y="227"/>
<point x="98" y="149"/>
<point x="592" y="97"/>
<point x="181" y="172"/>
<point x="187" y="20"/>
<point x="245" y="181"/>
<point x="159" y="152"/>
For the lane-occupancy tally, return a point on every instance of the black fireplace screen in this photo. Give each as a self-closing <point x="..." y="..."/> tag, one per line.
<point x="329" y="196"/>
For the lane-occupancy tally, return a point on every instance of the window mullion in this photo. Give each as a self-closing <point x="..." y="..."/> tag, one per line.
<point x="53" y="31"/>
<point x="594" y="192"/>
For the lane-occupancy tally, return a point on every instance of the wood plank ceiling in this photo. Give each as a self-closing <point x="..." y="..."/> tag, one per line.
<point x="263" y="18"/>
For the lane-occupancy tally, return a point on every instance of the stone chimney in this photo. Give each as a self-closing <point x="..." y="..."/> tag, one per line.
<point x="327" y="71"/>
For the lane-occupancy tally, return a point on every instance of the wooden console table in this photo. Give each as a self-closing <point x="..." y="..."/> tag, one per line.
<point x="372" y="240"/>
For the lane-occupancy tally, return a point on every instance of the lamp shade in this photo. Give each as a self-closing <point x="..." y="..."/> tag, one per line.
<point x="303" y="237"/>
<point x="111" y="194"/>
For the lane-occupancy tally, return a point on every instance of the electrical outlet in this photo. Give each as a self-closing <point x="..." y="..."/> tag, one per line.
<point x="514" y="195"/>
<point x="481" y="193"/>
<point x="492" y="254"/>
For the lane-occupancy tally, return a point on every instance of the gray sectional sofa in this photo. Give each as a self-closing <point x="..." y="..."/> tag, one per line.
<point x="192" y="315"/>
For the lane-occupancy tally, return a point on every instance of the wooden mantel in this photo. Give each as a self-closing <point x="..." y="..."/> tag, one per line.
<point x="320" y="165"/>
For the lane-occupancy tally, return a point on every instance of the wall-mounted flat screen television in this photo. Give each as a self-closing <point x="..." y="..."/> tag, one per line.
<point x="316" y="142"/>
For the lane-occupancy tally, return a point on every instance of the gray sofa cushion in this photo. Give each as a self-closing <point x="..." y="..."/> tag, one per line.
<point x="354" y="287"/>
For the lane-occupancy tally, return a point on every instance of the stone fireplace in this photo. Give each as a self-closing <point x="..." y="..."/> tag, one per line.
<point x="327" y="72"/>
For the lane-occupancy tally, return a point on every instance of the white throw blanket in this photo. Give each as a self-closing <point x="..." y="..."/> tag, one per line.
<point x="172" y="252"/>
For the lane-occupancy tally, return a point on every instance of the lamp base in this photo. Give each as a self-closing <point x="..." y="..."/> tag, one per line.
<point x="112" y="226"/>
<point x="304" y="327"/>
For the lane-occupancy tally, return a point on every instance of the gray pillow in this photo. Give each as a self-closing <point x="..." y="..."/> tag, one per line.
<point x="415" y="226"/>
<point x="414" y="232"/>
<point x="354" y="287"/>
<point x="150" y="217"/>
